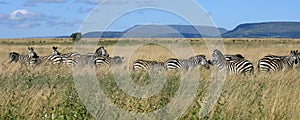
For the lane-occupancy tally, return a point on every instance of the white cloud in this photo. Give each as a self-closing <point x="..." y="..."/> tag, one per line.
<point x="22" y="18"/>
<point x="19" y="15"/>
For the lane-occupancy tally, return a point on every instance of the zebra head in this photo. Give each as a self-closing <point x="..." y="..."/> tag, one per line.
<point x="13" y="56"/>
<point x="116" y="60"/>
<point x="217" y="57"/>
<point x="54" y="51"/>
<point x="200" y="60"/>
<point x="233" y="57"/>
<point x="101" y="52"/>
<point x="294" y="58"/>
<point x="32" y="53"/>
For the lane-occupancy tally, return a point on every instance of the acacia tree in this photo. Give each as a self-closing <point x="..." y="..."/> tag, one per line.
<point x="76" y="36"/>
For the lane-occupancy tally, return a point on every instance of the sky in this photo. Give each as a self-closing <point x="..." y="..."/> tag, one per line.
<point x="38" y="18"/>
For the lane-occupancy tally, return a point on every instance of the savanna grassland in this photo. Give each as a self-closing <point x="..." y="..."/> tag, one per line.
<point x="49" y="91"/>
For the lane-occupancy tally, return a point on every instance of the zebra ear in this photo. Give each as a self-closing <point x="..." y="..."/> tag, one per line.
<point x="209" y="62"/>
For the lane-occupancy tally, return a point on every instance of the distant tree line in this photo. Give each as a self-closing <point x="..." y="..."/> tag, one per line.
<point x="76" y="36"/>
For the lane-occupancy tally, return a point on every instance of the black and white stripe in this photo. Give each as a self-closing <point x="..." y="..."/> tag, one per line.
<point x="64" y="55"/>
<point x="52" y="59"/>
<point x="108" y="61"/>
<point x="230" y="57"/>
<point x="101" y="52"/>
<point x="231" y="67"/>
<point x="271" y="63"/>
<point x="186" y="64"/>
<point x="142" y="65"/>
<point x="31" y="59"/>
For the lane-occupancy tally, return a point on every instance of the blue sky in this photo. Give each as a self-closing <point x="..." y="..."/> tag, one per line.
<point x="32" y="18"/>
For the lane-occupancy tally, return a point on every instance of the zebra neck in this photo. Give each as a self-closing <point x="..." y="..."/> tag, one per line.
<point x="221" y="64"/>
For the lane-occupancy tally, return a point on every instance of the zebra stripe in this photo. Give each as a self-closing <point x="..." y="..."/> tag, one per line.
<point x="71" y="61"/>
<point x="53" y="59"/>
<point x="22" y="59"/>
<point x="141" y="65"/>
<point x="65" y="55"/>
<point x="231" y="67"/>
<point x="229" y="57"/>
<point x="186" y="64"/>
<point x="108" y="61"/>
<point x="271" y="63"/>
<point x="101" y="52"/>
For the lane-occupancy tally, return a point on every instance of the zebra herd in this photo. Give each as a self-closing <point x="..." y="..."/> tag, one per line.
<point x="230" y="64"/>
<point x="100" y="57"/>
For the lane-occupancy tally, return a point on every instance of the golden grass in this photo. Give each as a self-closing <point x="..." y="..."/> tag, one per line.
<point x="33" y="92"/>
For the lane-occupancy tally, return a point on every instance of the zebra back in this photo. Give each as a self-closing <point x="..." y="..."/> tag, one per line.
<point x="229" y="57"/>
<point x="231" y="67"/>
<point x="141" y="65"/>
<point x="53" y="59"/>
<point x="108" y="61"/>
<point x="271" y="63"/>
<point x="22" y="59"/>
<point x="187" y="64"/>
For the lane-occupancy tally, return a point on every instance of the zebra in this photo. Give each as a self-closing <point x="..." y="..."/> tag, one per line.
<point x="229" y="57"/>
<point x="186" y="64"/>
<point x="65" y="55"/>
<point x="101" y="52"/>
<point x="231" y="67"/>
<point x="59" y="58"/>
<point x="271" y="63"/>
<point x="90" y="57"/>
<point x="108" y="61"/>
<point x="53" y="59"/>
<point x="31" y="59"/>
<point x="141" y="65"/>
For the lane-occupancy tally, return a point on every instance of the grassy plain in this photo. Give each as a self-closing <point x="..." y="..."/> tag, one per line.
<point x="49" y="92"/>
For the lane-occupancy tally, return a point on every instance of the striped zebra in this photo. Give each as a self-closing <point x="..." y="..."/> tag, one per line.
<point x="54" y="58"/>
<point x="271" y="63"/>
<point x="65" y="55"/>
<point x="90" y="57"/>
<point x="142" y="65"/>
<point x="108" y="61"/>
<point x="231" y="67"/>
<point x="71" y="61"/>
<point x="229" y="57"/>
<point x="31" y="59"/>
<point x="59" y="58"/>
<point x="186" y="64"/>
<point x="101" y="52"/>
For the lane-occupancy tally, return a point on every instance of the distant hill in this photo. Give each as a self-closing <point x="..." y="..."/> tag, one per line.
<point x="265" y="30"/>
<point x="248" y="30"/>
<point x="160" y="31"/>
<point x="107" y="34"/>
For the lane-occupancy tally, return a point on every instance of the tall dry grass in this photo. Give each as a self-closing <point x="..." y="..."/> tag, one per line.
<point x="49" y="91"/>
